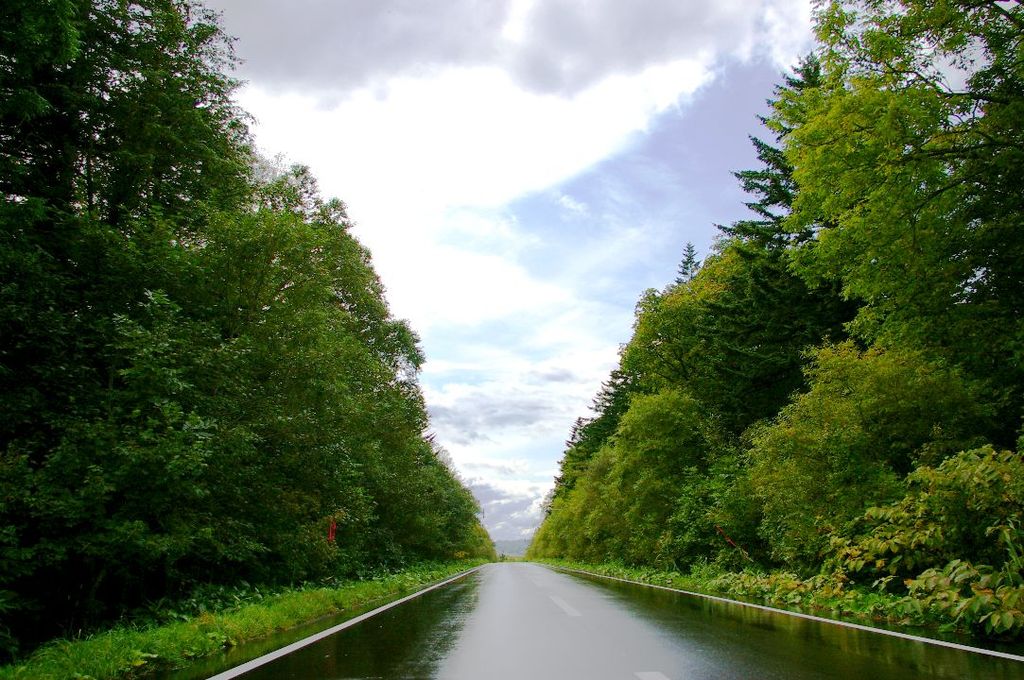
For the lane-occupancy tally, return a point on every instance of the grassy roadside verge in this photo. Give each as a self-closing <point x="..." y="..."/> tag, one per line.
<point x="785" y="591"/>
<point x="132" y="652"/>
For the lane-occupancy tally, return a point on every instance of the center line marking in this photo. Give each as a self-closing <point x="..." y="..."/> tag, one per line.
<point x="566" y="607"/>
<point x="651" y="675"/>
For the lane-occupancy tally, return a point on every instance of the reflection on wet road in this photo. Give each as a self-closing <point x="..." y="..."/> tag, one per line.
<point x="525" y="621"/>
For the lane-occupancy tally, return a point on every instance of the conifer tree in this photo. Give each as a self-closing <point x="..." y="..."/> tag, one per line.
<point x="689" y="266"/>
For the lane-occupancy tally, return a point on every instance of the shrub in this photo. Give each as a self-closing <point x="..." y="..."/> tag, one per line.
<point x="965" y="509"/>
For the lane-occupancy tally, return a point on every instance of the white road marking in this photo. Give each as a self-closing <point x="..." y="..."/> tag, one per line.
<point x="566" y="607"/>
<point x="651" y="675"/>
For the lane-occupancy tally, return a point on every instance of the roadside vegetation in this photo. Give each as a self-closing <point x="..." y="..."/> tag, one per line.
<point x="828" y="595"/>
<point x="201" y="382"/>
<point x="828" y="408"/>
<point x="214" y="620"/>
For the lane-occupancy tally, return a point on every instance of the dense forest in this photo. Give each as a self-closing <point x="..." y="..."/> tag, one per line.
<point x="200" y="380"/>
<point x="837" y="390"/>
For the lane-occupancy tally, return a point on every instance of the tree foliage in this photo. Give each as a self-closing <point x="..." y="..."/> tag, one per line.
<point x="200" y="377"/>
<point x="908" y="155"/>
<point x="867" y="421"/>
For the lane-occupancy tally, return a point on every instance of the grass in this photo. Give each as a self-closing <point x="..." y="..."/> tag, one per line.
<point x="136" y="651"/>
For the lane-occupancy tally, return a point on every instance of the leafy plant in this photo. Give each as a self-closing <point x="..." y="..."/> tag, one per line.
<point x="965" y="510"/>
<point x="981" y="596"/>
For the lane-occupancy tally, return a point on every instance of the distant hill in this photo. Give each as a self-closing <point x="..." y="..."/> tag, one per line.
<point x="514" y="548"/>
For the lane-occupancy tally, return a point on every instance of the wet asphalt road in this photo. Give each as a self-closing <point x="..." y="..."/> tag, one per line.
<point x="526" y="621"/>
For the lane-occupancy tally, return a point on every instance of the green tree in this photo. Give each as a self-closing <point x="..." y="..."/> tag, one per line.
<point x="688" y="266"/>
<point x="733" y="336"/>
<point x="662" y="447"/>
<point x="198" y="371"/>
<point x="952" y="511"/>
<point x="119" y="109"/>
<point x="587" y="523"/>
<point x="885" y="212"/>
<point x="730" y="334"/>
<point x="772" y="185"/>
<point x="907" y="154"/>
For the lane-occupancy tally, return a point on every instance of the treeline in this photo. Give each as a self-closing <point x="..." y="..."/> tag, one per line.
<point x="200" y="380"/>
<point x="838" y="388"/>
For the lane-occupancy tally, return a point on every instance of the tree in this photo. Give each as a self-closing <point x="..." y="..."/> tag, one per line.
<point x="689" y="265"/>
<point x="664" y="448"/>
<point x="848" y="350"/>
<point x="127" y="110"/>
<point x="772" y="186"/>
<point x="951" y="511"/>
<point x="907" y="154"/>
<point x="730" y="334"/>
<point x="117" y="134"/>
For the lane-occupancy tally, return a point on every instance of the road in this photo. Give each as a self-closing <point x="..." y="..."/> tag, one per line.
<point x="526" y="621"/>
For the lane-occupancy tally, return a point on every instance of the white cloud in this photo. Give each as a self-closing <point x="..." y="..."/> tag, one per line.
<point x="787" y="30"/>
<point x="520" y="401"/>
<point x="466" y="288"/>
<point x="329" y="46"/>
<point x="517" y="23"/>
<point x="573" y="207"/>
<point x="514" y="467"/>
<point x="467" y="136"/>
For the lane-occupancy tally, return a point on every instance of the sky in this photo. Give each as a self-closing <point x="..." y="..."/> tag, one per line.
<point x="521" y="171"/>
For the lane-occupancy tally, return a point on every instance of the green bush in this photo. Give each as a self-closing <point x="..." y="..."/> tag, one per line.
<point x="979" y="597"/>
<point x="966" y="509"/>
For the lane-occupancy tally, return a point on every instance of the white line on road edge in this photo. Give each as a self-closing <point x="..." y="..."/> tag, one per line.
<point x="566" y="607"/>
<point x="651" y="675"/>
<point x="284" y="651"/>
<point x="820" y="619"/>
